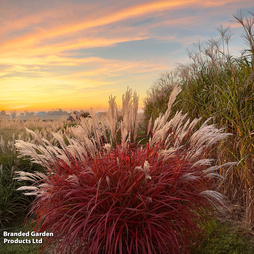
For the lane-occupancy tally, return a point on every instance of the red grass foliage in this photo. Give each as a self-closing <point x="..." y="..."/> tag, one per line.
<point x="130" y="201"/>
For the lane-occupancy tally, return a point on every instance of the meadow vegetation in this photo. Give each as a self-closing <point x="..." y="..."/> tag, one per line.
<point x="113" y="184"/>
<point x="219" y="86"/>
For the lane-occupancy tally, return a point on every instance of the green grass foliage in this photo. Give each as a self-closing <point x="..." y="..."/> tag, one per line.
<point x="219" y="86"/>
<point x="222" y="239"/>
<point x="13" y="204"/>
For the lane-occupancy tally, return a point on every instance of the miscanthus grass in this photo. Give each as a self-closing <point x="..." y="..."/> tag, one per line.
<point x="104" y="193"/>
<point x="215" y="84"/>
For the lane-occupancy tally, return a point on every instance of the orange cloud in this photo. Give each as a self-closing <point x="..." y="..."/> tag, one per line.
<point x="11" y="48"/>
<point x="138" y="10"/>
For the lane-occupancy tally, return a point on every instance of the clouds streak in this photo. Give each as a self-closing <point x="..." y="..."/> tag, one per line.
<point x="64" y="42"/>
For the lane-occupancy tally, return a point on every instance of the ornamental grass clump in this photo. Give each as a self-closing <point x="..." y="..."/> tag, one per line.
<point x="117" y="197"/>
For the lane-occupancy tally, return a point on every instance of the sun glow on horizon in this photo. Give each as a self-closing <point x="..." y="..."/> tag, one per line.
<point x="74" y="55"/>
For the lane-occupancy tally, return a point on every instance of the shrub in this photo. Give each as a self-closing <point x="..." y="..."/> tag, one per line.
<point x="121" y="197"/>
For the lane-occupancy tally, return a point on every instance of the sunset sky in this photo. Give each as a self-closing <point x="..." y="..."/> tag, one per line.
<point x="73" y="54"/>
